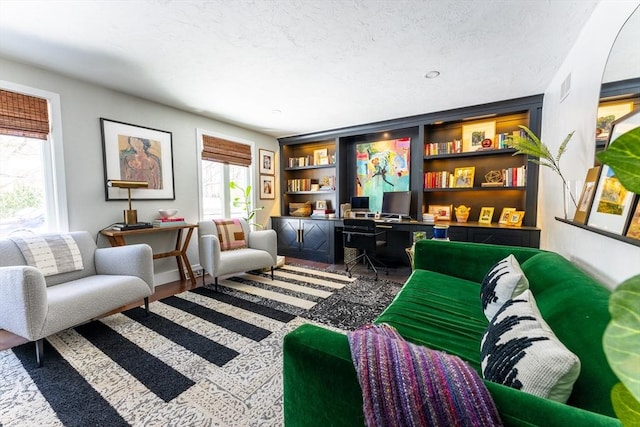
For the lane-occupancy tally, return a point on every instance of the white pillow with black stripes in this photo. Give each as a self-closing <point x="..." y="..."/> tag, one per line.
<point x="520" y="350"/>
<point x="505" y="280"/>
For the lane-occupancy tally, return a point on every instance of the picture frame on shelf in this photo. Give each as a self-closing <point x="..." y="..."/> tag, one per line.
<point x="486" y="215"/>
<point x="504" y="215"/>
<point x="137" y="153"/>
<point x="607" y="114"/>
<point x="586" y="197"/>
<point x="321" y="204"/>
<point x="633" y="229"/>
<point x="611" y="203"/>
<point x="473" y="135"/>
<point x="515" y="218"/>
<point x="267" y="187"/>
<point x="266" y="162"/>
<point x="463" y="177"/>
<point x="321" y="157"/>
<point x="440" y="212"/>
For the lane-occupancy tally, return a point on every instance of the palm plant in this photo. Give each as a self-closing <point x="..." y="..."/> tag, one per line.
<point x="244" y="201"/>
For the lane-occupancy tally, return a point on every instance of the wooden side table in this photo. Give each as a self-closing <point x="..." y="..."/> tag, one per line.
<point x="117" y="238"/>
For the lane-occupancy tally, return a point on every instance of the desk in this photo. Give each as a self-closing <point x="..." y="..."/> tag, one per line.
<point x="117" y="238"/>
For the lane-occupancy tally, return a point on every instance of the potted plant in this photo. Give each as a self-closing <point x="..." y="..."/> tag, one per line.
<point x="532" y="146"/>
<point x="244" y="201"/>
<point x="622" y="337"/>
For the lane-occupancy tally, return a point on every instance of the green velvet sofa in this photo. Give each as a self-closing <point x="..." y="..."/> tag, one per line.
<point x="439" y="307"/>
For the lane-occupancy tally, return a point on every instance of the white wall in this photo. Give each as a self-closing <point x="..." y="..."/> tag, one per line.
<point x="82" y="106"/>
<point x="610" y="260"/>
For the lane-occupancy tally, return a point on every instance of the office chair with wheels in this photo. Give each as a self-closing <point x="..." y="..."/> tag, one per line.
<point x="362" y="234"/>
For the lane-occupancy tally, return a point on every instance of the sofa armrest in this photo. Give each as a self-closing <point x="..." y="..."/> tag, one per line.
<point x="209" y="250"/>
<point x="477" y="258"/>
<point x="517" y="408"/>
<point x="128" y="260"/>
<point x="265" y="240"/>
<point x="23" y="293"/>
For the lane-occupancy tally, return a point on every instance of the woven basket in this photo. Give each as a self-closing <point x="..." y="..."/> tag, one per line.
<point x="300" y="209"/>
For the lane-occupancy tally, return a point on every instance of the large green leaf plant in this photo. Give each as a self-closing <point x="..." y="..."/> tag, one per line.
<point x="622" y="337"/>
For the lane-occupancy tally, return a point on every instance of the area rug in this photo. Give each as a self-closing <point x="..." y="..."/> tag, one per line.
<point x="201" y="358"/>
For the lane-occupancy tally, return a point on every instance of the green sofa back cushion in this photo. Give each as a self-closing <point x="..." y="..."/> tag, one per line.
<point x="576" y="308"/>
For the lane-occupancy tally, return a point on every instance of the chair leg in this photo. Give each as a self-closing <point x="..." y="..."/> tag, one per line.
<point x="40" y="352"/>
<point x="350" y="265"/>
<point x="216" y="283"/>
<point x="203" y="273"/>
<point x="146" y="307"/>
<point x="272" y="272"/>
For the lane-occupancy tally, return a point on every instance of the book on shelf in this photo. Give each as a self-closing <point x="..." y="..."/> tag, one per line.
<point x="121" y="226"/>
<point x="439" y="148"/>
<point x="161" y="223"/>
<point x="172" y="219"/>
<point x="323" y="213"/>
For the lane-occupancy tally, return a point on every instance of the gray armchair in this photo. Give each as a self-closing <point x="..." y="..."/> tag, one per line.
<point x="260" y="251"/>
<point x="35" y="306"/>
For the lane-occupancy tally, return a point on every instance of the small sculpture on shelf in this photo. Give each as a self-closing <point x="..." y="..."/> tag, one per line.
<point x="493" y="178"/>
<point x="462" y="213"/>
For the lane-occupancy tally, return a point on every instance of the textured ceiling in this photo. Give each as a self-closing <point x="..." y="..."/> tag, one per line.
<point x="285" y="67"/>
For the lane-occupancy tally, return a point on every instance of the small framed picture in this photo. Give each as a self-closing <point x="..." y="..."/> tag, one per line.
<point x="611" y="203"/>
<point x="607" y="114"/>
<point x="321" y="157"/>
<point x="440" y="212"/>
<point x="515" y="218"/>
<point x="486" y="215"/>
<point x="633" y="230"/>
<point x="463" y="177"/>
<point x="267" y="187"/>
<point x="586" y="197"/>
<point x="321" y="204"/>
<point x="266" y="162"/>
<point x="474" y="134"/>
<point x="504" y="215"/>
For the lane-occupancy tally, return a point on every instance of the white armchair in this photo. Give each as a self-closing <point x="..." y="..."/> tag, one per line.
<point x="36" y="302"/>
<point x="258" y="251"/>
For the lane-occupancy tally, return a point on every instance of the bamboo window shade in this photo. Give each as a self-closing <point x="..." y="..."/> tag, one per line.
<point x="225" y="151"/>
<point x="23" y="115"/>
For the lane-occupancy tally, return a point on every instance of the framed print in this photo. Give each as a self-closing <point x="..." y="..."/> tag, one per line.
<point x="633" y="230"/>
<point x="266" y="162"/>
<point x="474" y="134"/>
<point x="624" y="124"/>
<point x="586" y="197"/>
<point x="137" y="153"/>
<point x="440" y="212"/>
<point x="463" y="177"/>
<point x="321" y="204"/>
<point x="504" y="215"/>
<point x="321" y="157"/>
<point x="267" y="187"/>
<point x="515" y="218"/>
<point x="486" y="215"/>
<point x="611" y="204"/>
<point x="607" y="114"/>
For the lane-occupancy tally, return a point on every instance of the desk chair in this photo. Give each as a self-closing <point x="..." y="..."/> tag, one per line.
<point x="362" y="234"/>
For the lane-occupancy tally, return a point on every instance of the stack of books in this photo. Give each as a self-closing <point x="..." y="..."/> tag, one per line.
<point x="169" y="222"/>
<point x="121" y="226"/>
<point x="323" y="213"/>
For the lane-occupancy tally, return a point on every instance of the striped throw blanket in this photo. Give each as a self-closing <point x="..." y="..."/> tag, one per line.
<point x="50" y="253"/>
<point x="404" y="384"/>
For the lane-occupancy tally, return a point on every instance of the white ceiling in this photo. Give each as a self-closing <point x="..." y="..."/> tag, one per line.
<point x="285" y="67"/>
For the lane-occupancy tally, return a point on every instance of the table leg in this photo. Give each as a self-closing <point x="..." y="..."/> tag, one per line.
<point x="183" y="255"/>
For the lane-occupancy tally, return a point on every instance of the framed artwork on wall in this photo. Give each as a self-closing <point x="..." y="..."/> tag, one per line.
<point x="266" y="162"/>
<point x="267" y="187"/>
<point x="586" y="197"/>
<point x="137" y="153"/>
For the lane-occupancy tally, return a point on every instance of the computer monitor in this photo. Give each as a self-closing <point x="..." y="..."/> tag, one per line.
<point x="360" y="204"/>
<point x="396" y="203"/>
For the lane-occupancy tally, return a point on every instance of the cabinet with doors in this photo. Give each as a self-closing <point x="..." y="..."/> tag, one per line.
<point x="305" y="238"/>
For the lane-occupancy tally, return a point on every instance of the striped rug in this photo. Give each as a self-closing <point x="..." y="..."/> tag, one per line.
<point x="201" y="358"/>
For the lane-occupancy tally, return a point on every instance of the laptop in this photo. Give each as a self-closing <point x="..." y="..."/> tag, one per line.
<point x="359" y="204"/>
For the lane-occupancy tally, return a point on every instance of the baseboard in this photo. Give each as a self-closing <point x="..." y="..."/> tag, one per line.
<point x="173" y="275"/>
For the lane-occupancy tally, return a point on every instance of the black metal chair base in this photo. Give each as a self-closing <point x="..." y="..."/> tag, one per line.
<point x="368" y="260"/>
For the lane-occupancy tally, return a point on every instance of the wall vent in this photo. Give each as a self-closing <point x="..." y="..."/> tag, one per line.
<point x="565" y="87"/>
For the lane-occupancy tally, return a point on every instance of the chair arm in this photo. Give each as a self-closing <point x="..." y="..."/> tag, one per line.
<point x="128" y="260"/>
<point x="265" y="240"/>
<point x="23" y="293"/>
<point x="209" y="249"/>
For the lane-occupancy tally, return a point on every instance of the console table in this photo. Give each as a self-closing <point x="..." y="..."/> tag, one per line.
<point x="117" y="238"/>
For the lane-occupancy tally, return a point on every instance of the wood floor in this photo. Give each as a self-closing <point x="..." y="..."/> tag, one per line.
<point x="400" y="274"/>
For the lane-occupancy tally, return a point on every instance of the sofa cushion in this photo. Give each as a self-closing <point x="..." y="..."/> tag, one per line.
<point x="440" y="312"/>
<point x="502" y="282"/>
<point x="230" y="234"/>
<point x="520" y="350"/>
<point x="398" y="377"/>
<point x="50" y="253"/>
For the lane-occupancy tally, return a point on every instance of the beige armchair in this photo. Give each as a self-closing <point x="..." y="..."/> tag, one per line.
<point x="230" y="246"/>
<point x="36" y="302"/>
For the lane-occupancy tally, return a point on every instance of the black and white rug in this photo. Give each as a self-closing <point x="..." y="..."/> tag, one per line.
<point x="202" y="358"/>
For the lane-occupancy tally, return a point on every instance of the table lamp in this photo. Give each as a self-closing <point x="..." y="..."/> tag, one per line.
<point x="130" y="215"/>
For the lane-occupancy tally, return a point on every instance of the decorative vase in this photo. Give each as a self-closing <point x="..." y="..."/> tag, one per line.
<point x="572" y="189"/>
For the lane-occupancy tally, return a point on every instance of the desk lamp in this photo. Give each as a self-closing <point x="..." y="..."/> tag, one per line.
<point x="130" y="215"/>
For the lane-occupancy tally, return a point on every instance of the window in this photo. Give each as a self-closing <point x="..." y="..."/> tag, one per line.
<point x="32" y="189"/>
<point x="216" y="173"/>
